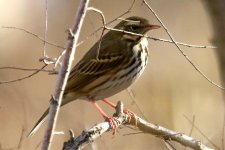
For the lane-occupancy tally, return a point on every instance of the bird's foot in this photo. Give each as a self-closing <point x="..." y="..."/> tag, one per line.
<point x="112" y="120"/>
<point x="114" y="123"/>
<point x="133" y="117"/>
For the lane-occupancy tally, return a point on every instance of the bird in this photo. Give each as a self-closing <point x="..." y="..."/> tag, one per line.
<point x="110" y="66"/>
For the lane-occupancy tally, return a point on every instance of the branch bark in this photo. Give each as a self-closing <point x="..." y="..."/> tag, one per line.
<point x="165" y="134"/>
<point x="64" y="74"/>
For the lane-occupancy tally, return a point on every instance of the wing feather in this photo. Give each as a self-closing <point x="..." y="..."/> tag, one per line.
<point x="112" y="53"/>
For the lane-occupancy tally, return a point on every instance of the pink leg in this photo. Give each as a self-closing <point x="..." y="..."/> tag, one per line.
<point x="112" y="121"/>
<point x="126" y="111"/>
<point x="105" y="116"/>
<point x="109" y="103"/>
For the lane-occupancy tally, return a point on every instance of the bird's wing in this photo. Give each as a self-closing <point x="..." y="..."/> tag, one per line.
<point x="90" y="68"/>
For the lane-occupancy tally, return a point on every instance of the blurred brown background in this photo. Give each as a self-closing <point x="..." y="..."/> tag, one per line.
<point x="169" y="88"/>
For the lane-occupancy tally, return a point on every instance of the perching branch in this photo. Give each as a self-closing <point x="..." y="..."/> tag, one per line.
<point x="64" y="74"/>
<point x="96" y="131"/>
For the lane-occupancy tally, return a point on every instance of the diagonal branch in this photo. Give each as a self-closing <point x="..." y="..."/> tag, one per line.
<point x="165" y="134"/>
<point x="178" y="47"/>
<point x="64" y="74"/>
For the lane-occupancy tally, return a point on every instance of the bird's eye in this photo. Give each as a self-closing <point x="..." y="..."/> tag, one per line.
<point x="134" y="27"/>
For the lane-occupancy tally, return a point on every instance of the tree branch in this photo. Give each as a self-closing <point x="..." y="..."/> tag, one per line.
<point x="64" y="74"/>
<point x="167" y="135"/>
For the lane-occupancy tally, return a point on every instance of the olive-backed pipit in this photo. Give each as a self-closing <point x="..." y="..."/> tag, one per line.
<point x="103" y="72"/>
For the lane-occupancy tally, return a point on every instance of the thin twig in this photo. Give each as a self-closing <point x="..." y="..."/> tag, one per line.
<point x="133" y="133"/>
<point x="21" y="138"/>
<point x="152" y="38"/>
<point x="28" y="76"/>
<point x="134" y="100"/>
<point x="192" y="125"/>
<point x="35" y="35"/>
<point x="103" y="30"/>
<point x="26" y="69"/>
<point x="57" y="62"/>
<point x="113" y="20"/>
<point x="45" y="34"/>
<point x="93" y="33"/>
<point x="178" y="47"/>
<point x="64" y="74"/>
<point x="183" y="44"/>
<point x="159" y="39"/>
<point x="203" y="134"/>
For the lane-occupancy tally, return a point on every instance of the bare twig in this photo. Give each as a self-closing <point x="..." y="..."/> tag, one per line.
<point x="134" y="101"/>
<point x="178" y="47"/>
<point x="123" y="14"/>
<point x="21" y="138"/>
<point x="203" y="134"/>
<point x="103" y="30"/>
<point x="45" y="34"/>
<point x="64" y="74"/>
<point x="57" y="62"/>
<point x="159" y="39"/>
<point x="187" y="58"/>
<point x="28" y="76"/>
<point x="93" y="33"/>
<point x="35" y="35"/>
<point x="183" y="44"/>
<point x="167" y="135"/>
<point x="192" y="125"/>
<point x="152" y="38"/>
<point x="27" y="69"/>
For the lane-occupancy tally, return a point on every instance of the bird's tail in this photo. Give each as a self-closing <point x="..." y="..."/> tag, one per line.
<point x="66" y="99"/>
<point x="39" y="123"/>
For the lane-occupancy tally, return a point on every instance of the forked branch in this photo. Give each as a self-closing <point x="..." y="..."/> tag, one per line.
<point x="98" y="130"/>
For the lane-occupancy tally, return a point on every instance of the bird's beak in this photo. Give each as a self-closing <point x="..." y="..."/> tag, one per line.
<point x="151" y="27"/>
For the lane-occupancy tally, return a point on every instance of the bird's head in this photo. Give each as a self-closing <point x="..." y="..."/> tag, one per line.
<point x="136" y="25"/>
